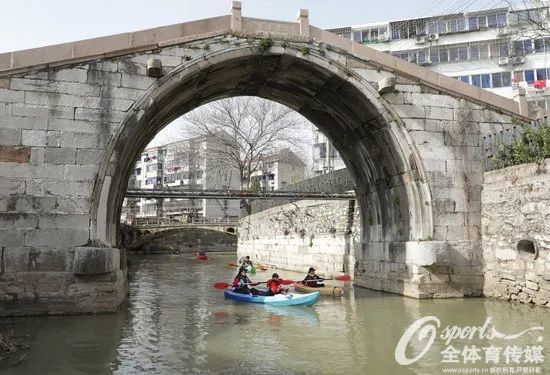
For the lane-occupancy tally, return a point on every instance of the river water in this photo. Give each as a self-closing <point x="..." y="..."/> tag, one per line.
<point x="177" y="323"/>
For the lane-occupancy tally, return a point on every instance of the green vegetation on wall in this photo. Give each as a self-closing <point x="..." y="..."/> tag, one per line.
<point x="532" y="146"/>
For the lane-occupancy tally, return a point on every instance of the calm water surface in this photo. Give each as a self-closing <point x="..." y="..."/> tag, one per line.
<point x="177" y="323"/>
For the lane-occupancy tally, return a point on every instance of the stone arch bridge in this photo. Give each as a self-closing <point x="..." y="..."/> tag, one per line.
<point x="74" y="117"/>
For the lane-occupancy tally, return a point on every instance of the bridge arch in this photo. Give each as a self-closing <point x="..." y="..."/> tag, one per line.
<point x="389" y="177"/>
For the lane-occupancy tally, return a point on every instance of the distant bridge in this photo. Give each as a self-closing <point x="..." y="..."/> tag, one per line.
<point x="235" y="194"/>
<point x="158" y="224"/>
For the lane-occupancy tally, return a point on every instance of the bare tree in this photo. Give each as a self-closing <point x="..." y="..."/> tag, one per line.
<point x="242" y="130"/>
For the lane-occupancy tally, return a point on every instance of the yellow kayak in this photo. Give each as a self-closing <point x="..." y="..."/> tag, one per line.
<point x="327" y="290"/>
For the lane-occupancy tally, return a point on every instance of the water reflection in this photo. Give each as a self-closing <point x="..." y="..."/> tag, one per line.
<point x="177" y="323"/>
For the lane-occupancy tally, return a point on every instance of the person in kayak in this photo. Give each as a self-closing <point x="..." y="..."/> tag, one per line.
<point x="275" y="286"/>
<point x="312" y="279"/>
<point x="245" y="261"/>
<point x="241" y="283"/>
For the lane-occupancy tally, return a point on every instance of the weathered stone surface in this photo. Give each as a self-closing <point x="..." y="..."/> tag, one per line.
<point x="60" y="155"/>
<point x="15" y="154"/>
<point x="512" y="212"/>
<point x="95" y="260"/>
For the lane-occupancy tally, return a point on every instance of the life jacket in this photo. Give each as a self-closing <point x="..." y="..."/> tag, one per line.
<point x="240" y="280"/>
<point x="273" y="285"/>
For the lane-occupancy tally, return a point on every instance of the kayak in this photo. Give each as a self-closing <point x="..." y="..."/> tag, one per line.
<point x="276" y="300"/>
<point x="202" y="257"/>
<point x="325" y="291"/>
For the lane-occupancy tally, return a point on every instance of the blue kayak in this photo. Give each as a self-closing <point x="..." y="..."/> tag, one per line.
<point x="276" y="300"/>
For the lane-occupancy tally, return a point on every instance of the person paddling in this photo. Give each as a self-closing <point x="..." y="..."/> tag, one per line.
<point x="245" y="261"/>
<point x="241" y="283"/>
<point x="275" y="286"/>
<point x="312" y="279"/>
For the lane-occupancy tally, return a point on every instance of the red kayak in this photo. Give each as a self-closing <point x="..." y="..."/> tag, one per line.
<point x="202" y="257"/>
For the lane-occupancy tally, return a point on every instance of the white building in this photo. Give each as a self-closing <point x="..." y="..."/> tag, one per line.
<point x="278" y="170"/>
<point x="498" y="49"/>
<point x="502" y="50"/>
<point x="187" y="164"/>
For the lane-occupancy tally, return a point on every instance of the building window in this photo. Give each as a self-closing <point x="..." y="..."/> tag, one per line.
<point x="476" y="80"/>
<point x="443" y="55"/>
<point x="482" y="22"/>
<point x="151" y="181"/>
<point x="541" y="74"/>
<point x="485" y="81"/>
<point x="472" y="23"/>
<point x="483" y="51"/>
<point x="395" y="33"/>
<point x="432" y="28"/>
<point x="434" y="55"/>
<point x="503" y="50"/>
<point x="461" y="24"/>
<point x="492" y="21"/>
<point x="421" y="57"/>
<point x="138" y="171"/>
<point x="501" y="20"/>
<point x="442" y="27"/>
<point x="271" y="177"/>
<point x="357" y="36"/>
<point x="497" y="79"/>
<point x="465" y="79"/>
<point x="365" y="36"/>
<point x="529" y="76"/>
<point x="474" y="53"/>
<point x="506" y="79"/>
<point x="522" y="47"/>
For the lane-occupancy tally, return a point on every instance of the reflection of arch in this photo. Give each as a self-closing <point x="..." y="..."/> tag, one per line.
<point x="389" y="177"/>
<point x="230" y="230"/>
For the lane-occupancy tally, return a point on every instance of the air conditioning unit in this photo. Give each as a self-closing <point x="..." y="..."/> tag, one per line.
<point x="425" y="62"/>
<point x="503" y="61"/>
<point x="421" y="39"/>
<point x="433" y="37"/>
<point x="518" y="60"/>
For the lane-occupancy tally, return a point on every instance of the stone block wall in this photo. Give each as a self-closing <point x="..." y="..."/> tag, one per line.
<point x="516" y="233"/>
<point x="296" y="236"/>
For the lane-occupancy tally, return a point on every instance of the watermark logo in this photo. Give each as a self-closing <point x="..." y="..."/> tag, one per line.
<point x="516" y="359"/>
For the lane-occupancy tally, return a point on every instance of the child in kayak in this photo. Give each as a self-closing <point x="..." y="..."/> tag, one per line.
<point x="275" y="286"/>
<point x="245" y="261"/>
<point x="312" y="279"/>
<point x="241" y="283"/>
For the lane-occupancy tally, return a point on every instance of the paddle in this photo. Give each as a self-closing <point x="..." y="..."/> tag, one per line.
<point x="220" y="285"/>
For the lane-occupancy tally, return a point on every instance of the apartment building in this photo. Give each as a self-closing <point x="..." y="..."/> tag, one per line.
<point x="278" y="170"/>
<point x="503" y="50"/>
<point x="188" y="164"/>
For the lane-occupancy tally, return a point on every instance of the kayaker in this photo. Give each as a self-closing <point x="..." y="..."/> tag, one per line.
<point x="245" y="261"/>
<point x="275" y="286"/>
<point x="202" y="253"/>
<point x="241" y="283"/>
<point x="312" y="279"/>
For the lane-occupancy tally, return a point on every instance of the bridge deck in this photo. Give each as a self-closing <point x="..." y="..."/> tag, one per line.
<point x="235" y="194"/>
